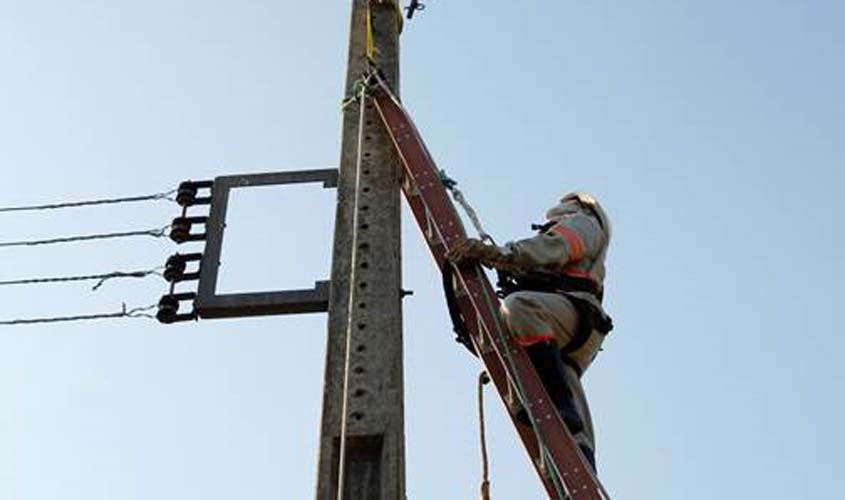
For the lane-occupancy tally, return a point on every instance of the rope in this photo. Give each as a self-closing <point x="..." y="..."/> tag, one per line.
<point x="102" y="278"/>
<point x="156" y="233"/>
<point x="341" y="475"/>
<point x="137" y="312"/>
<point x="85" y="203"/>
<point x="359" y="86"/>
<point x="483" y="379"/>
<point x="452" y="186"/>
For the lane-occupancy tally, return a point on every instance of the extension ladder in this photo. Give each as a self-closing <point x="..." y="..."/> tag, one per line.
<point x="562" y="468"/>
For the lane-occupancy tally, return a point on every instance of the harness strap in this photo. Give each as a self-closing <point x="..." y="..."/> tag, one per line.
<point x="586" y="325"/>
<point x="458" y="322"/>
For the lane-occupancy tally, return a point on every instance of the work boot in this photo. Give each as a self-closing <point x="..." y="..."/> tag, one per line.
<point x="546" y="360"/>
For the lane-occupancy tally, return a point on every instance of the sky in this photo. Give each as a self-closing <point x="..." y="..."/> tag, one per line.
<point x="711" y="132"/>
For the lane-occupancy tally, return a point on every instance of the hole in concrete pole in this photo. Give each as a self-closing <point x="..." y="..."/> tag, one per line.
<point x="358" y="393"/>
<point x="365" y="265"/>
<point x="357" y="415"/>
<point x="362" y="326"/>
<point x="363" y="285"/>
<point x="358" y="370"/>
<point x="361" y="348"/>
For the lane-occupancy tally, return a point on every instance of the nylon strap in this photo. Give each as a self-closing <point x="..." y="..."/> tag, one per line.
<point x="371" y="43"/>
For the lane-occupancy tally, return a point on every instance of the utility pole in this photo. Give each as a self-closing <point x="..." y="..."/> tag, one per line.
<point x="362" y="441"/>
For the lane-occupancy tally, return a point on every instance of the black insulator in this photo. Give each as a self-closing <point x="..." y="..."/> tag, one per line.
<point x="168" y="308"/>
<point x="186" y="195"/>
<point x="175" y="267"/>
<point x="180" y="230"/>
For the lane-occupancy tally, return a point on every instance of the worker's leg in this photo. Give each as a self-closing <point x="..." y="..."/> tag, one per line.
<point x="536" y="318"/>
<point x="586" y="438"/>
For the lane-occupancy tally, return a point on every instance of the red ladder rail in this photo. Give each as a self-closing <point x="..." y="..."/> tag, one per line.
<point x="557" y="459"/>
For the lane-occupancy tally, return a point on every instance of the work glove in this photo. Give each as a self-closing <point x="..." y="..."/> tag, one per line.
<point x="473" y="250"/>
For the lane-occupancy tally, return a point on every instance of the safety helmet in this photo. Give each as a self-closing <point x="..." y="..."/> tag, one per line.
<point x="580" y="201"/>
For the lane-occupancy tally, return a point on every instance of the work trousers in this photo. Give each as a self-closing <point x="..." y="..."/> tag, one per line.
<point x="533" y="317"/>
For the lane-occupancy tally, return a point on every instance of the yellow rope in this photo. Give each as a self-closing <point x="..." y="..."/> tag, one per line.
<point x="371" y="43"/>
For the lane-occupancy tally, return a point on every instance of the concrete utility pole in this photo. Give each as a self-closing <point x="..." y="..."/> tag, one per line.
<point x="362" y="442"/>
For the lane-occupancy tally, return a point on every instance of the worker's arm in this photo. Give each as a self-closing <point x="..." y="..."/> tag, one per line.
<point x="570" y="239"/>
<point x="573" y="238"/>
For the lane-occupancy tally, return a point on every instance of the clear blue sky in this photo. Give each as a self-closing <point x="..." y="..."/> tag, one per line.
<point x="712" y="131"/>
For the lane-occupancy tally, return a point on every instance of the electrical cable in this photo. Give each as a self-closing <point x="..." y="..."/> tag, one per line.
<point x="156" y="233"/>
<point x="101" y="278"/>
<point x="165" y="195"/>
<point x="137" y="312"/>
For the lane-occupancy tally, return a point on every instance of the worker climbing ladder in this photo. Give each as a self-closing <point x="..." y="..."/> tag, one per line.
<point x="562" y="468"/>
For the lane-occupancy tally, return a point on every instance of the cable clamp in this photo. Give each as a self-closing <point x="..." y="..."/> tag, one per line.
<point x="415" y="5"/>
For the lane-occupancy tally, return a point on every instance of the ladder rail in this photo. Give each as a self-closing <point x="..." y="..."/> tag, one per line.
<point x="554" y="453"/>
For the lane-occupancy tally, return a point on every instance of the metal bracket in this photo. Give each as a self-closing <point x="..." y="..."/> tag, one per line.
<point x="208" y="303"/>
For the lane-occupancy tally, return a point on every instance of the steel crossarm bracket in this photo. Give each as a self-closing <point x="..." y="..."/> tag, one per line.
<point x="210" y="304"/>
<point x="562" y="468"/>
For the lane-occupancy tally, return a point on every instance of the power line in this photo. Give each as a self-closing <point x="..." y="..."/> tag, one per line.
<point x="156" y="233"/>
<point x="137" y="312"/>
<point x="102" y="278"/>
<point x="85" y="203"/>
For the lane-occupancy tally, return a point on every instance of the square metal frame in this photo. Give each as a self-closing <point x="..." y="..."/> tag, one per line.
<point x="210" y="304"/>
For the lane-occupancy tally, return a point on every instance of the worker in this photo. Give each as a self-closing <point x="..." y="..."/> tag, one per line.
<point x="553" y="284"/>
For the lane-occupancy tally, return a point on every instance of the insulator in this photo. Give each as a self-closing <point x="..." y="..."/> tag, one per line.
<point x="186" y="195"/>
<point x="180" y="230"/>
<point x="168" y="308"/>
<point x="175" y="267"/>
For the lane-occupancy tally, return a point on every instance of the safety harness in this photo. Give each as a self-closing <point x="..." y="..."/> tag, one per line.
<point x="590" y="317"/>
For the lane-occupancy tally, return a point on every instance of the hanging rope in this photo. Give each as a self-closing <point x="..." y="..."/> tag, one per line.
<point x="138" y="312"/>
<point x="483" y="379"/>
<point x="85" y="203"/>
<point x="363" y="91"/>
<point x="155" y="233"/>
<point x="102" y="278"/>
<point x="451" y="185"/>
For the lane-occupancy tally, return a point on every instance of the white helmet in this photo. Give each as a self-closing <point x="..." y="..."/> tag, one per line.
<point x="579" y="202"/>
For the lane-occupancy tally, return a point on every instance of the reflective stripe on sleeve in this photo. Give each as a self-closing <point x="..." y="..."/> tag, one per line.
<point x="573" y="241"/>
<point x="533" y="339"/>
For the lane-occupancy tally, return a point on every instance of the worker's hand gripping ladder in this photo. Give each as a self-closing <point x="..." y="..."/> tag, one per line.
<point x="561" y="466"/>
